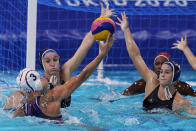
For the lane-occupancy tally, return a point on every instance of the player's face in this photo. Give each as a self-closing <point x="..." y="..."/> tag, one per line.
<point x="157" y="64"/>
<point x="51" y="63"/>
<point x="166" y="74"/>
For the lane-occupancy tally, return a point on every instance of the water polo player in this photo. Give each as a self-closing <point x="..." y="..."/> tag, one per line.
<point x="50" y="63"/>
<point x="30" y="86"/>
<point x="53" y="75"/>
<point x="139" y="86"/>
<point x="50" y="60"/>
<point x="162" y="90"/>
<point x="48" y="105"/>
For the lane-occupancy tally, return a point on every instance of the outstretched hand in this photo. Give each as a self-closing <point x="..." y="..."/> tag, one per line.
<point x="108" y="44"/>
<point x="123" y="23"/>
<point x="181" y="45"/>
<point x="106" y="12"/>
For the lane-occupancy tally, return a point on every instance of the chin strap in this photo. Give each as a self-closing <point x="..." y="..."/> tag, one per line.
<point x="53" y="80"/>
<point x="168" y="94"/>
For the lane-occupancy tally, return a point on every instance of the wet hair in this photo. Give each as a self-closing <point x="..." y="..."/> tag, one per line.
<point x="175" y="68"/>
<point x="42" y="53"/>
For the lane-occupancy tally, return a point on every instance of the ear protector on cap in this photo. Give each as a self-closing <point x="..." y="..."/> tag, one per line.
<point x="175" y="68"/>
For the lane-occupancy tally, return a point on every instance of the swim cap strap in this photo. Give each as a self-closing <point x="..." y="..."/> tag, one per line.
<point x="176" y="70"/>
<point x="167" y="92"/>
<point x="172" y="67"/>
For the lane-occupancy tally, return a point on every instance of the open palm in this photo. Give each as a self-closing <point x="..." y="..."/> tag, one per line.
<point x="181" y="45"/>
<point x="123" y="23"/>
<point x="106" y="12"/>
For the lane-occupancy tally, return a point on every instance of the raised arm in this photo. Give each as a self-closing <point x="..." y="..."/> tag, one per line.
<point x="183" y="46"/>
<point x="133" y="49"/>
<point x="61" y="92"/>
<point x="70" y="66"/>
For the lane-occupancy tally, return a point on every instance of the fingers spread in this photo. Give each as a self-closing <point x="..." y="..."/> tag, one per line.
<point x="173" y="47"/>
<point x="119" y="19"/>
<point x="175" y="44"/>
<point x="107" y="5"/>
<point x="118" y="23"/>
<point x="185" y="37"/>
<point x="101" y="7"/>
<point x="181" y="39"/>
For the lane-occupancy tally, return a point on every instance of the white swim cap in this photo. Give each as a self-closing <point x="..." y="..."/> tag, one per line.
<point x="29" y="80"/>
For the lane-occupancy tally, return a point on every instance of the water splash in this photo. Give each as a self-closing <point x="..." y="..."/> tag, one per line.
<point x="131" y="121"/>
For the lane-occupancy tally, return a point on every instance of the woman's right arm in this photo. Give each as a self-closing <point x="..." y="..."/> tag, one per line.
<point x="183" y="46"/>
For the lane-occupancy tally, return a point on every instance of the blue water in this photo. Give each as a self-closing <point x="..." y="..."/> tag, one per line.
<point x="98" y="105"/>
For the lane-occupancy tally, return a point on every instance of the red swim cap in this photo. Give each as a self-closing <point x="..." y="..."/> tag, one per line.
<point x="163" y="54"/>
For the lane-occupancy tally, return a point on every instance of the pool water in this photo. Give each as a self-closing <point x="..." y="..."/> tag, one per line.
<point x="98" y="105"/>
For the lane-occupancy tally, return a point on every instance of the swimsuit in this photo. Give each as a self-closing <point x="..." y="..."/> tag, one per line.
<point x="33" y="109"/>
<point x="152" y="101"/>
<point x="65" y="102"/>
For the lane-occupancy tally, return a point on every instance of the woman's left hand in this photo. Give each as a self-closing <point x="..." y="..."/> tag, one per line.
<point x="108" y="44"/>
<point x="123" y="23"/>
<point x="181" y="45"/>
